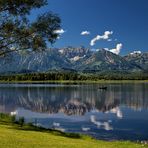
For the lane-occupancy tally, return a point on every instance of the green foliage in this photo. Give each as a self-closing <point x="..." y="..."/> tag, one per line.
<point x="61" y="76"/>
<point x="18" y="33"/>
<point x="7" y="118"/>
<point x="21" y="121"/>
<point x="20" y="7"/>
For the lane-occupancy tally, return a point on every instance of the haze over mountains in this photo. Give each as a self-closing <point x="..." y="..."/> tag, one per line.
<point x="69" y="58"/>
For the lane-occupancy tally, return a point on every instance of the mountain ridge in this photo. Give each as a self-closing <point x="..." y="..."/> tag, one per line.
<point x="77" y="59"/>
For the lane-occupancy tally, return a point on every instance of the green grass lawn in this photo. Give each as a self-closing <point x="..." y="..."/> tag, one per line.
<point x="12" y="135"/>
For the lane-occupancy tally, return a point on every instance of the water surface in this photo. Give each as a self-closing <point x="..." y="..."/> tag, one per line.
<point x="120" y="112"/>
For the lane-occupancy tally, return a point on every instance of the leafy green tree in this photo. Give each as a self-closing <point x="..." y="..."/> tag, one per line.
<point x="13" y="118"/>
<point x="21" y="121"/>
<point x="17" y="32"/>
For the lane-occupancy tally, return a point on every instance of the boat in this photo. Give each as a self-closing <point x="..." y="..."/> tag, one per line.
<point x="103" y="87"/>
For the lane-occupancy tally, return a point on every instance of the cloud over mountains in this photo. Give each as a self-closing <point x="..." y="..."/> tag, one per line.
<point x="117" y="49"/>
<point x="136" y="52"/>
<point x="105" y="36"/>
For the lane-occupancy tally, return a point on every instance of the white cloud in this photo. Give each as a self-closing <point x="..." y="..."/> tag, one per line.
<point x="117" y="49"/>
<point x="85" y="33"/>
<point x="136" y="52"/>
<point x="117" y="111"/>
<point x="85" y="129"/>
<point x="103" y="125"/>
<point x="58" y="37"/>
<point x="105" y="36"/>
<point x="109" y="40"/>
<point x="60" y="31"/>
<point x="56" y="124"/>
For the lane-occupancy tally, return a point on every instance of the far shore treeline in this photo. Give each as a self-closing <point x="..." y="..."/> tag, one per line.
<point x="71" y="76"/>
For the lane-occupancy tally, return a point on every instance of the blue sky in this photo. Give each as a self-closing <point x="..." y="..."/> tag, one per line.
<point x="127" y="20"/>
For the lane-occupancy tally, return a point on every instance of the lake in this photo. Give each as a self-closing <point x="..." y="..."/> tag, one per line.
<point x="118" y="113"/>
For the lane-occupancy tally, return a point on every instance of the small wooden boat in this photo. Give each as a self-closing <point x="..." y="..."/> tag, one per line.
<point x="103" y="87"/>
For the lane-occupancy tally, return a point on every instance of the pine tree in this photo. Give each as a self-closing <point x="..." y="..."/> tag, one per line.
<point x="17" y="32"/>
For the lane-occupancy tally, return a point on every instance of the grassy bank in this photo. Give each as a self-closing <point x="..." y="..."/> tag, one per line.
<point x="12" y="135"/>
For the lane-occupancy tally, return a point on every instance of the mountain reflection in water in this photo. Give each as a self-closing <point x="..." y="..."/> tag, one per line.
<point x="82" y="107"/>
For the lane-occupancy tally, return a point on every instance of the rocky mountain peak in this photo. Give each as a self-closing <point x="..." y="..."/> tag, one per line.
<point x="79" y="59"/>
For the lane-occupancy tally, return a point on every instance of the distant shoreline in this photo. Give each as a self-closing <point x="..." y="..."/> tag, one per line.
<point x="73" y="82"/>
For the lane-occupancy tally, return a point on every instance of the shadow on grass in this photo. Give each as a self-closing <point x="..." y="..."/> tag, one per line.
<point x="30" y="127"/>
<point x="10" y="121"/>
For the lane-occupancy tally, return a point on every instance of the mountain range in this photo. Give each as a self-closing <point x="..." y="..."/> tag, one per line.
<point x="70" y="58"/>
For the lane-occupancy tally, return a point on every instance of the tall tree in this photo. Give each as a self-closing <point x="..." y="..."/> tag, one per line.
<point x="17" y="32"/>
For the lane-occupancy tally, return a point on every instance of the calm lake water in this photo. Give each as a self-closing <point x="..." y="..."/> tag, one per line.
<point x="120" y="112"/>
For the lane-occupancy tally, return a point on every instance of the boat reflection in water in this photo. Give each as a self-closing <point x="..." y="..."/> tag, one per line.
<point x="121" y="112"/>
